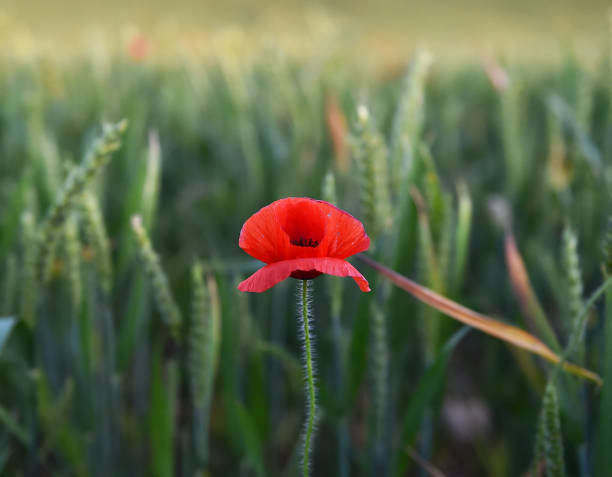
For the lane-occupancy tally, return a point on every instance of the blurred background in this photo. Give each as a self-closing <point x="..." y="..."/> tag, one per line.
<point x="473" y="139"/>
<point x="385" y="30"/>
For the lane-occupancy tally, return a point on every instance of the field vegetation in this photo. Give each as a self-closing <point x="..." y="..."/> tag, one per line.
<point x="126" y="348"/>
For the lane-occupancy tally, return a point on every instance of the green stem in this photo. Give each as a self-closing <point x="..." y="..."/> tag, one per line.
<point x="380" y="381"/>
<point x="309" y="431"/>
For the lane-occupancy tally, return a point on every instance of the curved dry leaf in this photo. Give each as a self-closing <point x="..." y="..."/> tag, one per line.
<point x="508" y="333"/>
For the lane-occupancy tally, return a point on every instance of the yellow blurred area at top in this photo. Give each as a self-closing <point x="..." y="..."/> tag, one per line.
<point x="383" y="30"/>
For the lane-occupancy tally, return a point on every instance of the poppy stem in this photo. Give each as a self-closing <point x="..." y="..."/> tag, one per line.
<point x="310" y="381"/>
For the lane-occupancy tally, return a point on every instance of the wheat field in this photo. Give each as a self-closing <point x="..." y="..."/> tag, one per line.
<point x="130" y="160"/>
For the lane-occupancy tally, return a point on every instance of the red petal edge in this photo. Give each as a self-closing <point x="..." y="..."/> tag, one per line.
<point x="270" y="275"/>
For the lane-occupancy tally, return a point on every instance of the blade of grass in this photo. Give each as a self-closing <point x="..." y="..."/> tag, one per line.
<point x="427" y="388"/>
<point x="462" y="236"/>
<point x="525" y="294"/>
<point x="429" y="265"/>
<point x="508" y="333"/>
<point x="357" y="355"/>
<point x="59" y="435"/>
<point x="512" y="112"/>
<point x="244" y="425"/>
<point x="202" y="356"/>
<point x="162" y="415"/>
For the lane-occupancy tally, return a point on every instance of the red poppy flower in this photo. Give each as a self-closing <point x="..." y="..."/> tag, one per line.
<point x="302" y="238"/>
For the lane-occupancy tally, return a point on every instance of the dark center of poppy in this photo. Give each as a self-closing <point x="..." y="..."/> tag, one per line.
<point x="304" y="223"/>
<point x="304" y="242"/>
<point x="305" y="274"/>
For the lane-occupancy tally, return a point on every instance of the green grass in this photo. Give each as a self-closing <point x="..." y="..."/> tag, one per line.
<point x="131" y="352"/>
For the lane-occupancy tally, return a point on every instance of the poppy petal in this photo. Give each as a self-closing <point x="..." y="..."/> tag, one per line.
<point x="262" y="237"/>
<point x="345" y="235"/>
<point x="270" y="275"/>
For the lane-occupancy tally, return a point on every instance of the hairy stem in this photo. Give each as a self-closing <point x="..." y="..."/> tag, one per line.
<point x="310" y="382"/>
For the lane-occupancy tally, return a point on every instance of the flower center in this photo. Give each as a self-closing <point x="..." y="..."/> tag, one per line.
<point x="304" y="242"/>
<point x="305" y="274"/>
<point x="304" y="223"/>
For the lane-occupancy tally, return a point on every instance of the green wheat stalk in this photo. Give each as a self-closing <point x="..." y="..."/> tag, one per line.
<point x="29" y="275"/>
<point x="329" y="195"/>
<point x="72" y="252"/>
<point x="437" y="223"/>
<point x="380" y="372"/>
<point x="429" y="269"/>
<point x="549" y="440"/>
<point x="607" y="252"/>
<point x="445" y="241"/>
<point x="97" y="239"/>
<point x="584" y="100"/>
<point x="573" y="279"/>
<point x="328" y="188"/>
<point x="370" y="155"/>
<point x="435" y="197"/>
<point x="162" y="294"/>
<point x="462" y="234"/>
<point x="512" y="135"/>
<point x="335" y="289"/>
<point x="150" y="187"/>
<point x="604" y="424"/>
<point x="428" y="256"/>
<point x="409" y="118"/>
<point x="203" y="342"/>
<point x="51" y="264"/>
<point x="98" y="155"/>
<point x="557" y="167"/>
